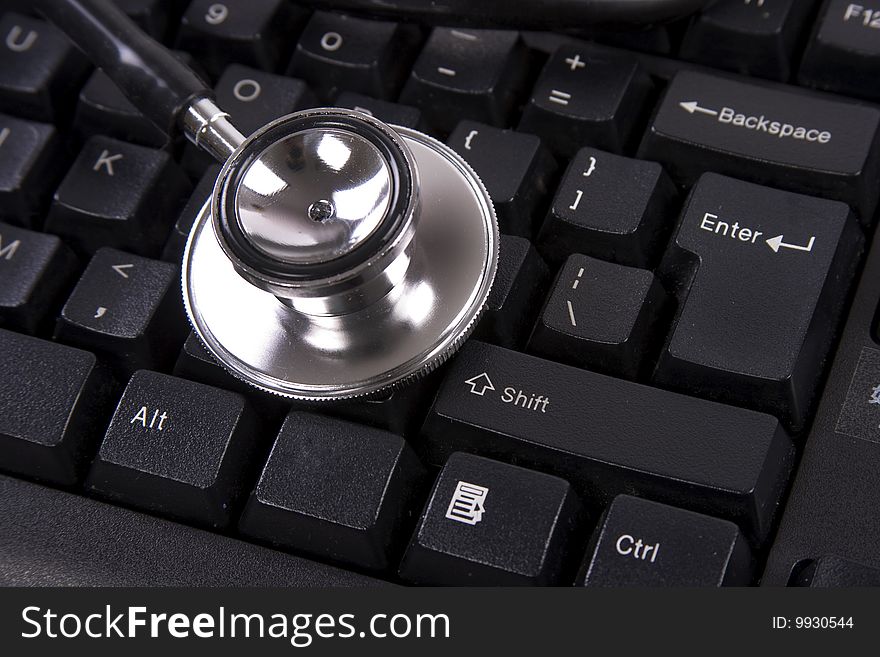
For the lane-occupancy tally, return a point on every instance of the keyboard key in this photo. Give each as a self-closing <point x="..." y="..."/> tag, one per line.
<point x="860" y="414"/>
<point x="641" y="543"/>
<point x="656" y="39"/>
<point x="118" y="194"/>
<point x="513" y="302"/>
<point x="587" y="98"/>
<point x="401" y="411"/>
<point x="253" y="98"/>
<point x="475" y="74"/>
<point x="40" y="70"/>
<point x="35" y="270"/>
<point x="609" y="436"/>
<point x="334" y="489"/>
<point x="151" y="15"/>
<point x="32" y="162"/>
<point x="760" y="276"/>
<point x="52" y="399"/>
<point x="753" y="38"/>
<point x="602" y="316"/>
<point x="834" y="572"/>
<point x="258" y="33"/>
<point x="195" y="363"/>
<point x="128" y="309"/>
<point x="517" y="187"/>
<point x="54" y="538"/>
<point x="391" y="113"/>
<point x="609" y="207"/>
<point x="104" y="110"/>
<point x="770" y="135"/>
<point x="844" y="52"/>
<point x="174" y="247"/>
<point x="489" y="523"/>
<point x="177" y="448"/>
<point x="337" y="52"/>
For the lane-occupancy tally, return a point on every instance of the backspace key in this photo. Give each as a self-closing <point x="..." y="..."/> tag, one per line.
<point x="769" y="134"/>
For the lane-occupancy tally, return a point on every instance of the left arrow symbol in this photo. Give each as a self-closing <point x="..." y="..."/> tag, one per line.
<point x="480" y="384"/>
<point x="693" y="106"/>
<point x="120" y="269"/>
<point x="777" y="243"/>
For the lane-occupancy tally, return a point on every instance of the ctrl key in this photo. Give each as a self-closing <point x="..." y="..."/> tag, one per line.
<point x="177" y="448"/>
<point x="642" y="543"/>
<point x="489" y="523"/>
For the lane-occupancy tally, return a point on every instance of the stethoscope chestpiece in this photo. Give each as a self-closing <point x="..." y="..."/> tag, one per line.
<point x="318" y="209"/>
<point x="339" y="257"/>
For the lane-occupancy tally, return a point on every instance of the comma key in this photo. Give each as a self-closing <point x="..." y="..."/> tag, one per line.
<point x="760" y="276"/>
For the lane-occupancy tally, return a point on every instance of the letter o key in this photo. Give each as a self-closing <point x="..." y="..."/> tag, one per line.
<point x="247" y="90"/>
<point x="331" y="41"/>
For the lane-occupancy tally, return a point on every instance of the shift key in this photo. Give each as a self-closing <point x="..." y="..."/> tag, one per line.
<point x="608" y="436"/>
<point x="769" y="134"/>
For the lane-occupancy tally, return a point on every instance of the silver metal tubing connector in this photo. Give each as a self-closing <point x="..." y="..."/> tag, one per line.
<point x="209" y="128"/>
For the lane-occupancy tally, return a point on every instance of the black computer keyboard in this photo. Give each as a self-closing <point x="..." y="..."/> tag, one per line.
<point x="676" y="380"/>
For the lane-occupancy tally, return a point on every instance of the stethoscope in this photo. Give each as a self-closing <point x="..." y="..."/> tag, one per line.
<point x="338" y="256"/>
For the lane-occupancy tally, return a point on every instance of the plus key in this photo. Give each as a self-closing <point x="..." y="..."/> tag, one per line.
<point x="586" y="99"/>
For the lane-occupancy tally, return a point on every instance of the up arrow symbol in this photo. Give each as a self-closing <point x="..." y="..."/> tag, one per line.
<point x="480" y="384"/>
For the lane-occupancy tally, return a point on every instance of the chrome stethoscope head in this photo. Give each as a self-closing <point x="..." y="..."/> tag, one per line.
<point x="338" y="256"/>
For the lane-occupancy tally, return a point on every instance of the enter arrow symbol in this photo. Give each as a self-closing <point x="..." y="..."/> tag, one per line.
<point x="480" y="384"/>
<point x="776" y="243"/>
<point x="120" y="269"/>
<point x="693" y="106"/>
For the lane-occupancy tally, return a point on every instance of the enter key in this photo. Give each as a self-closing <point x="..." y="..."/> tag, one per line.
<point x="760" y="276"/>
